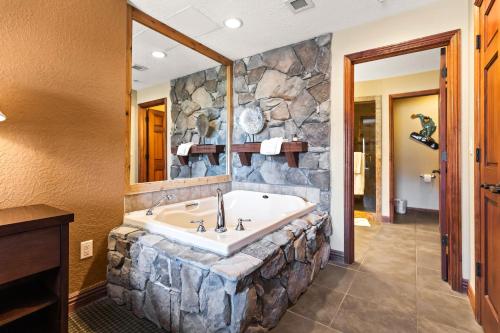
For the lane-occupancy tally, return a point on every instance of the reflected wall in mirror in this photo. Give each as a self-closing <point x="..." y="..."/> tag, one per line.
<point x="178" y="113"/>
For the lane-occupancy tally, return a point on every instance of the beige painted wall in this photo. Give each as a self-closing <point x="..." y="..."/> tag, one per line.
<point x="62" y="87"/>
<point x="412" y="159"/>
<point x="384" y="88"/>
<point x="427" y="20"/>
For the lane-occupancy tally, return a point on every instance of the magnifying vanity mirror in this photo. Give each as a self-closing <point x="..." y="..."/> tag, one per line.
<point x="180" y="95"/>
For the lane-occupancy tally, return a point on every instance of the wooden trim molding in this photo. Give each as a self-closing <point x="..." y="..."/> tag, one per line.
<point x="153" y="103"/>
<point x="134" y="14"/>
<point x="392" y="98"/>
<point x="178" y="36"/>
<point x="472" y="298"/>
<point x="451" y="41"/>
<point x="412" y="46"/>
<point x="86" y="296"/>
<point x="420" y="93"/>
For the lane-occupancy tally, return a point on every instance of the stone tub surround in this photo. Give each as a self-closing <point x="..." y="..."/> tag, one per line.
<point x="140" y="201"/>
<point x="203" y="92"/>
<point x="183" y="289"/>
<point x="291" y="85"/>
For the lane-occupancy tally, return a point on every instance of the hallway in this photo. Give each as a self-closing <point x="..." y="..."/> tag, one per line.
<point x="394" y="286"/>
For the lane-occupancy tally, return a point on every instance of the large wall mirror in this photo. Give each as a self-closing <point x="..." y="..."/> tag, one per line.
<point x="180" y="105"/>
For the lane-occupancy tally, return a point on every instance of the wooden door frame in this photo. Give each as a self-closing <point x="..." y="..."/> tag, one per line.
<point x="142" y="136"/>
<point x="451" y="40"/>
<point x="392" y="98"/>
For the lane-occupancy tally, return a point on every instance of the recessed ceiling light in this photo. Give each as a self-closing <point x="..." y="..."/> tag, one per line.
<point x="233" y="23"/>
<point x="158" y="54"/>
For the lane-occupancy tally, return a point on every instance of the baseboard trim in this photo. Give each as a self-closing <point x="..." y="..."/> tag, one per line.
<point x="465" y="286"/>
<point x="337" y="256"/>
<point x="86" y="296"/>
<point x="422" y="210"/>
<point x="386" y="219"/>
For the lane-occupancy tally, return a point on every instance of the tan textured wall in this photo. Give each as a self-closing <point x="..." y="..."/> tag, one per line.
<point x="62" y="87"/>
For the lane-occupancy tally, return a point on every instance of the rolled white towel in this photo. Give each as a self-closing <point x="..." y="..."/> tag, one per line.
<point x="271" y="146"/>
<point x="183" y="149"/>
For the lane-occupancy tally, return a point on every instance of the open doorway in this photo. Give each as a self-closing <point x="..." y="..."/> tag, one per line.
<point x="437" y="175"/>
<point x="152" y="145"/>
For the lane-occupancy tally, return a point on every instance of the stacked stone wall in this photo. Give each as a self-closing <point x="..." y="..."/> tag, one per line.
<point x="185" y="289"/>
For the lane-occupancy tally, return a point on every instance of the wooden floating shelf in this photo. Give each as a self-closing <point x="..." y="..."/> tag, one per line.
<point x="212" y="151"/>
<point x="290" y="149"/>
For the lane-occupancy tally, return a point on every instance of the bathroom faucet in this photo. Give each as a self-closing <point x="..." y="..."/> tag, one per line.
<point x="164" y="196"/>
<point x="221" y="216"/>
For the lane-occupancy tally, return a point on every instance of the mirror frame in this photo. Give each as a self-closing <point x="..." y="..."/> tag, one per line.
<point x="134" y="14"/>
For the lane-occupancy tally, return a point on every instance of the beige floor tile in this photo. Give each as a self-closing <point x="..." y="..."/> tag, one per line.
<point x="400" y="267"/>
<point x="385" y="290"/>
<point x="361" y="316"/>
<point x="292" y="322"/>
<point x="432" y="237"/>
<point x="444" y="309"/>
<point x="335" y="278"/>
<point x="428" y="260"/>
<point x="430" y="279"/>
<point x="429" y="326"/>
<point x="319" y="304"/>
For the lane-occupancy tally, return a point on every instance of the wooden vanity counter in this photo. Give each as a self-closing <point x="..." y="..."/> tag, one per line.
<point x="34" y="269"/>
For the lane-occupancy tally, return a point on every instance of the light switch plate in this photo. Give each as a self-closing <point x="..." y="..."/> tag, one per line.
<point x="86" y="249"/>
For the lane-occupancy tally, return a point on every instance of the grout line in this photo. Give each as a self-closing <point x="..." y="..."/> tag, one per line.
<point x="337" y="312"/>
<point x="306" y="318"/>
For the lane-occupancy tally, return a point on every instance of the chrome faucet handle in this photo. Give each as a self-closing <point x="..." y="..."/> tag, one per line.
<point x="167" y="196"/>
<point x="201" y="227"/>
<point x="240" y="226"/>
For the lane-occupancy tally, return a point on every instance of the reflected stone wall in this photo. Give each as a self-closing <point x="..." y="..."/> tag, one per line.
<point x="291" y="85"/>
<point x="192" y="95"/>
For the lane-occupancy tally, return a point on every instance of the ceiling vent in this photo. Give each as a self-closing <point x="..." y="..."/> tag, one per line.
<point x="139" y="68"/>
<point x="298" y="6"/>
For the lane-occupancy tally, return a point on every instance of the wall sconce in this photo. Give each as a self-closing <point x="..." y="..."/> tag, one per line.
<point x="2" y="116"/>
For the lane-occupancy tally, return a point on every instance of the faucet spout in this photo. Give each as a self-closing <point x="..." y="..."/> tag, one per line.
<point x="163" y="197"/>
<point x="221" y="216"/>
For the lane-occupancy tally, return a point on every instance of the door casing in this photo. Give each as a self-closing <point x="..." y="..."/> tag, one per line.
<point x="143" y="137"/>
<point x="451" y="41"/>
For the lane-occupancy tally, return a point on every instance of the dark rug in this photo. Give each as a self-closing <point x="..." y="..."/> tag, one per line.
<point x="104" y="316"/>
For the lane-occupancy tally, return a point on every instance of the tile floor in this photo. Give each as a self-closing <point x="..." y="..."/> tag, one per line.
<point x="394" y="286"/>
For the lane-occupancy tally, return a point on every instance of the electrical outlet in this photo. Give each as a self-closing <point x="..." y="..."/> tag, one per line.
<point x="86" y="249"/>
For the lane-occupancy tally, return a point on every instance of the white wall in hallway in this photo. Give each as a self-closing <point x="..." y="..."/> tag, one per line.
<point x="439" y="17"/>
<point x="384" y="88"/>
<point x="413" y="159"/>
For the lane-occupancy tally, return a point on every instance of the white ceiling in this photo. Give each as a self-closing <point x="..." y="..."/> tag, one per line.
<point x="267" y="24"/>
<point x="398" y="66"/>
<point x="180" y="60"/>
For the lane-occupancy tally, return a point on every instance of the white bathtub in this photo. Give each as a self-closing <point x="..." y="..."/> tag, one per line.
<point x="267" y="212"/>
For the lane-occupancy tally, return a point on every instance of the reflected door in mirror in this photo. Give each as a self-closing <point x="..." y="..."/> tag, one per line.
<point x="152" y="141"/>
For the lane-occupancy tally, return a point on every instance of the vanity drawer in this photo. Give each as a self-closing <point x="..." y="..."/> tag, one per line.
<point x="28" y="253"/>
